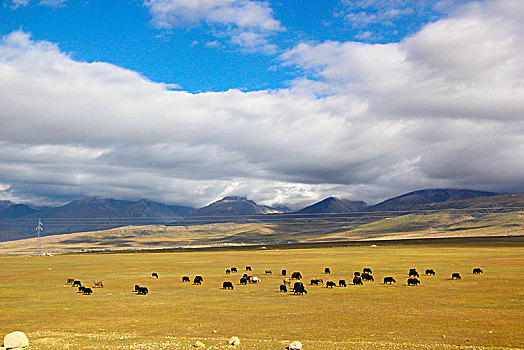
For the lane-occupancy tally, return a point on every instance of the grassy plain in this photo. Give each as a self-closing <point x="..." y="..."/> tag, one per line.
<point x="476" y="312"/>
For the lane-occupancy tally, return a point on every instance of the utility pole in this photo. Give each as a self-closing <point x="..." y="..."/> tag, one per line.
<point x="39" y="230"/>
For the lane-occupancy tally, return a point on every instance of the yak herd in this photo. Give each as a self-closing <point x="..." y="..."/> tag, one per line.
<point x="298" y="286"/>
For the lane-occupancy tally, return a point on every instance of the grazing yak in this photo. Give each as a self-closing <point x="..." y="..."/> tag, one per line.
<point x="81" y="289"/>
<point x="413" y="281"/>
<point x="284" y="272"/>
<point x="185" y="279"/>
<point x="227" y="285"/>
<point x="430" y="272"/>
<point x="356" y="273"/>
<point x="269" y="272"/>
<point x="77" y="283"/>
<point x="287" y="281"/>
<point x="367" y="277"/>
<point x="477" y="271"/>
<point x="357" y="280"/>
<point x="342" y="283"/>
<point x="330" y="284"/>
<point x="317" y="281"/>
<point x="228" y="272"/>
<point x="248" y="268"/>
<point x="296" y="276"/>
<point x="234" y="269"/>
<point x="389" y="280"/>
<point x="154" y="275"/>
<point x="367" y="270"/>
<point x="142" y="291"/>
<point x="137" y="287"/>
<point x="327" y="270"/>
<point x="283" y="288"/>
<point x="455" y="275"/>
<point x="87" y="291"/>
<point x="243" y="280"/>
<point x="98" y="284"/>
<point x="198" y="280"/>
<point x="299" y="290"/>
<point x="254" y="279"/>
<point x="70" y="280"/>
<point x="298" y="285"/>
<point x="413" y="273"/>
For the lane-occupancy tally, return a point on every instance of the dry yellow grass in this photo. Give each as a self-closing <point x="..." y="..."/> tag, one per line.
<point x="476" y="312"/>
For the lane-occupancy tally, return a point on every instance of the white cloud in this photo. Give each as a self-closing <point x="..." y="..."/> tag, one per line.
<point x="376" y="121"/>
<point x="247" y="22"/>
<point x="51" y="3"/>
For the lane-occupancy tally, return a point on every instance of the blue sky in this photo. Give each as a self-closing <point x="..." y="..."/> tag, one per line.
<point x="285" y="102"/>
<point x="200" y="56"/>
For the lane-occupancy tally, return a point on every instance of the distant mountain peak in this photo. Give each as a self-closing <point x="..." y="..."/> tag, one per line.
<point x="333" y="205"/>
<point x="235" y="206"/>
<point x="416" y="199"/>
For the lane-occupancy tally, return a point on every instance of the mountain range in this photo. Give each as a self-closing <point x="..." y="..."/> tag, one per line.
<point x="18" y="221"/>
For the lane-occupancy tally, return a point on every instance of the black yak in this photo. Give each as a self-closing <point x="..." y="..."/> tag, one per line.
<point x="389" y="280"/>
<point x="413" y="281"/>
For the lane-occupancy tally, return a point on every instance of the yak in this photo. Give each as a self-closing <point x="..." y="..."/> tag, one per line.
<point x="142" y="291"/>
<point x="243" y="281"/>
<point x="154" y="275"/>
<point x="284" y="272"/>
<point x="477" y="271"/>
<point x="389" y="280"/>
<point x="357" y="280"/>
<point x="198" y="280"/>
<point x="413" y="273"/>
<point x="342" y="283"/>
<point x="248" y="268"/>
<point x="299" y="290"/>
<point x="430" y="272"/>
<point x="234" y="269"/>
<point x="327" y="270"/>
<point x="367" y="270"/>
<point x="185" y="279"/>
<point x="283" y="288"/>
<point x="413" y="281"/>
<point x="296" y="276"/>
<point x="367" y="277"/>
<point x="330" y="284"/>
<point x="227" y="285"/>
<point x="87" y="291"/>
<point x="455" y="275"/>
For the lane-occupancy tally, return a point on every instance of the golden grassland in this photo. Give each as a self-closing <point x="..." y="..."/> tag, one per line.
<point x="476" y="312"/>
